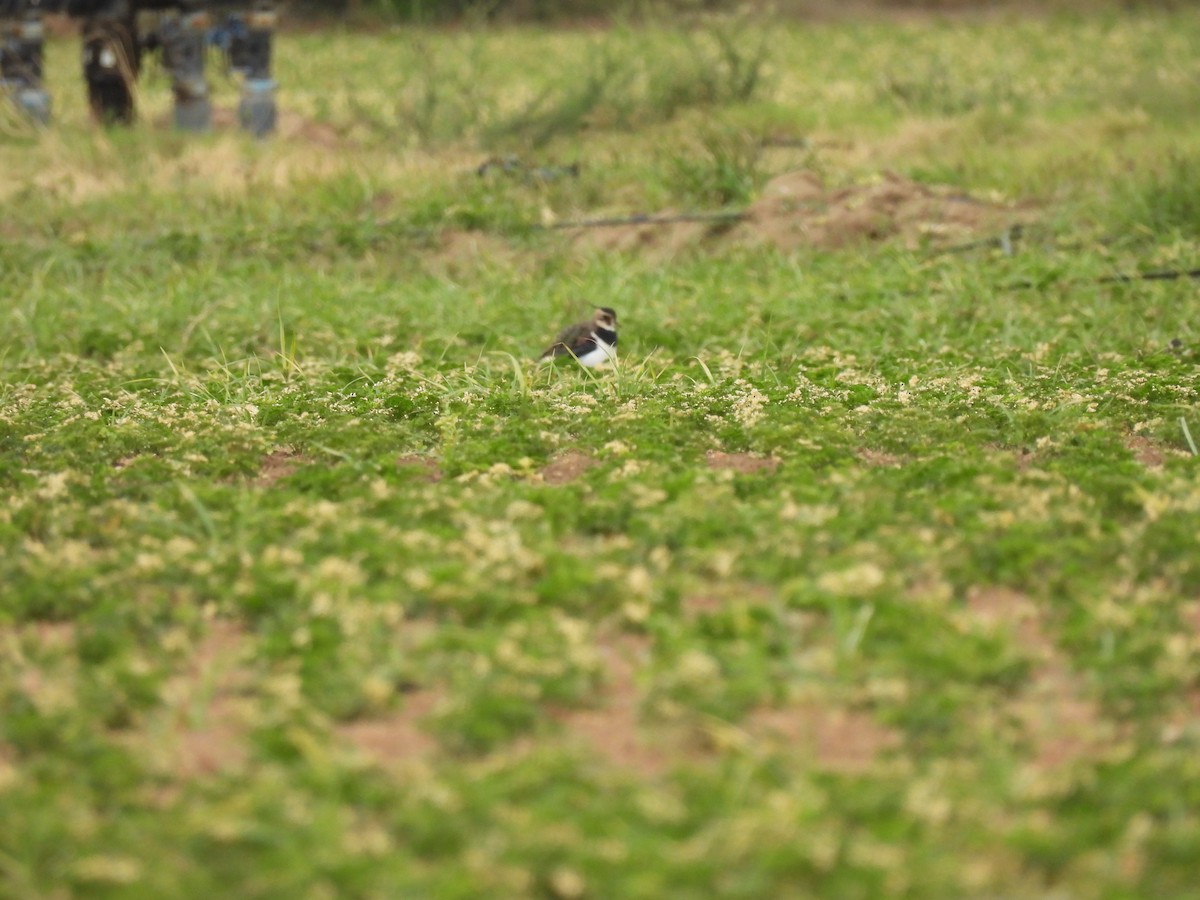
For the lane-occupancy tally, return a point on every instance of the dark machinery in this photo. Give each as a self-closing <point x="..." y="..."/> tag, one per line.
<point x="21" y="42"/>
<point x="117" y="34"/>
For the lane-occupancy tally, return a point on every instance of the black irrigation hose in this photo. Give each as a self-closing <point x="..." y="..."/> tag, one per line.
<point x="1004" y="241"/>
<point x="1164" y="275"/>
<point x="1009" y="236"/>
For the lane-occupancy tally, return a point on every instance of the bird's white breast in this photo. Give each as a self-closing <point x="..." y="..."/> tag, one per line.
<point x="603" y="352"/>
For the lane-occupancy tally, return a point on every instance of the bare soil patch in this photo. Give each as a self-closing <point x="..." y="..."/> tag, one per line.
<point x="879" y="459"/>
<point x="1024" y="458"/>
<point x="1191" y="617"/>
<point x="1183" y="719"/>
<point x="1145" y="451"/>
<point x="838" y="739"/>
<point x="200" y="728"/>
<point x="397" y="738"/>
<point x="611" y="729"/>
<point x="457" y="251"/>
<point x="698" y="605"/>
<point x="796" y="210"/>
<point x="47" y="682"/>
<point x="716" y="598"/>
<point x="1061" y="720"/>
<point x="744" y="463"/>
<point x="567" y="467"/>
<point x="279" y="464"/>
<point x="997" y="607"/>
<point x="215" y="741"/>
<point x="658" y="240"/>
<point x="429" y="469"/>
<point x="55" y="634"/>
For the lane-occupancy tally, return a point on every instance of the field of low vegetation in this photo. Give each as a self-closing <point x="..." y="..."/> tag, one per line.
<point x="870" y="571"/>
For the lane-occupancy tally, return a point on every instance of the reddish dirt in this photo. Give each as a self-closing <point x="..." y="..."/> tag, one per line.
<point x="1191" y="617"/>
<point x="611" y="729"/>
<point x="745" y="463"/>
<point x="1061" y="720"/>
<point x="796" y="210"/>
<point x="425" y="465"/>
<point x="398" y="737"/>
<point x="215" y="747"/>
<point x="879" y="459"/>
<point x="55" y="634"/>
<point x="702" y="605"/>
<point x="279" y="464"/>
<point x="30" y="678"/>
<point x="724" y="596"/>
<point x="839" y="740"/>
<point x="567" y="467"/>
<point x="214" y="741"/>
<point x="458" y="251"/>
<point x="1145" y="451"/>
<point x="658" y="241"/>
<point x="1024" y="458"/>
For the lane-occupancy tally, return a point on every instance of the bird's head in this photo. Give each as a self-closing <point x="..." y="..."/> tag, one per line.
<point x="606" y="318"/>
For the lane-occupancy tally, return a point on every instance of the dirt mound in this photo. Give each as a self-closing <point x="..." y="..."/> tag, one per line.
<point x="796" y="210"/>
<point x="660" y="236"/>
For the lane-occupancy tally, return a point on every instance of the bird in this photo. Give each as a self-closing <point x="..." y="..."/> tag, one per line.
<point x="592" y="343"/>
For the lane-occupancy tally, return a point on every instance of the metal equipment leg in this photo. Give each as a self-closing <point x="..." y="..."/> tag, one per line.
<point x="22" y="41"/>
<point x="250" y="54"/>
<point x="183" y="37"/>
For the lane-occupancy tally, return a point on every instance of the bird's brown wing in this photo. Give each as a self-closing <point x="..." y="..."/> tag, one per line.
<point x="568" y="340"/>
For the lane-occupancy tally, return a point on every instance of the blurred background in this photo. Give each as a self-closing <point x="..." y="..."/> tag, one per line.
<point x="564" y="10"/>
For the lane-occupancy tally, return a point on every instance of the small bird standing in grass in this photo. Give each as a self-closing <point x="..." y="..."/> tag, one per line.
<point x="593" y="342"/>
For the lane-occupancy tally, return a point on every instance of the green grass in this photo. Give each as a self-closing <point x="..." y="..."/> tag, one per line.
<point x="868" y="572"/>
